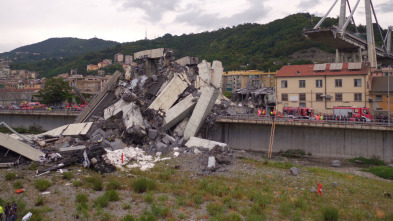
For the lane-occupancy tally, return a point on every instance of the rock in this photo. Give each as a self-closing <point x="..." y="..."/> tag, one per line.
<point x="176" y="154"/>
<point x="93" y="161"/>
<point x="153" y="134"/>
<point x="154" y="78"/>
<point x="334" y="184"/>
<point x="223" y="159"/>
<point x="336" y="163"/>
<point x="197" y="152"/>
<point x="161" y="145"/>
<point x="211" y="164"/>
<point x="168" y="140"/>
<point x="158" y="154"/>
<point x="294" y="171"/>
<point x="313" y="190"/>
<point x="358" y="161"/>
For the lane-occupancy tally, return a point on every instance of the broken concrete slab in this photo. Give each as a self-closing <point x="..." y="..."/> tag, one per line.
<point x="216" y="73"/>
<point x="201" y="111"/>
<point x="204" y="71"/>
<point x="179" y="129"/>
<point x="100" y="100"/>
<point x="68" y="130"/>
<point x="168" y="140"/>
<point x="211" y="164"/>
<point x="186" y="61"/>
<point x="152" y="54"/>
<point x="153" y="134"/>
<point x="336" y="163"/>
<point x="208" y="144"/>
<point x="72" y="148"/>
<point x="171" y="93"/>
<point x="19" y="147"/>
<point x="179" y="111"/>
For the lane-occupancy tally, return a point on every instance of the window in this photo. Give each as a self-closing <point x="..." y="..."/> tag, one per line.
<point x="284" y="84"/>
<point x="302" y="97"/>
<point x="302" y="104"/>
<point x="302" y="83"/>
<point x="339" y="82"/>
<point x="378" y="98"/>
<point x="357" y="82"/>
<point x="318" y="97"/>
<point x="318" y="83"/>
<point x="358" y="97"/>
<point x="284" y="97"/>
<point x="339" y="97"/>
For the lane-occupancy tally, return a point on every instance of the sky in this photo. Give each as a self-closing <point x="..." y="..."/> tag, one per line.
<point x="25" y="22"/>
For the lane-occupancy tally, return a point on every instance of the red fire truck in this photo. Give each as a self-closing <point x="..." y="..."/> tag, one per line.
<point x="298" y="112"/>
<point x="353" y="113"/>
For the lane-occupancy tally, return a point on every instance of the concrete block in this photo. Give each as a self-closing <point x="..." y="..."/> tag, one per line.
<point x="161" y="145"/>
<point x="99" y="131"/>
<point x="336" y="163"/>
<point x="68" y="130"/>
<point x="19" y="147"/>
<point x="72" y="148"/>
<point x="152" y="54"/>
<point x="197" y="152"/>
<point x="179" y="111"/>
<point x="216" y="73"/>
<point x="201" y="111"/>
<point x="186" y="61"/>
<point x="179" y="129"/>
<point x="211" y="164"/>
<point x="117" y="145"/>
<point x="168" y="140"/>
<point x="208" y="144"/>
<point x="171" y="93"/>
<point x="153" y="134"/>
<point x="204" y="71"/>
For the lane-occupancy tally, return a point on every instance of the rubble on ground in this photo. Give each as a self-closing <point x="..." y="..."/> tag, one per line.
<point x="160" y="107"/>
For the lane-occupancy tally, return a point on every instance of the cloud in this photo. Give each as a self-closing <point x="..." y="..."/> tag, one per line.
<point x="153" y="9"/>
<point x="203" y="18"/>
<point x="306" y="4"/>
<point x="386" y="7"/>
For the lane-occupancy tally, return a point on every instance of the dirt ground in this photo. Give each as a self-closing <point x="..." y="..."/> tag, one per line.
<point x="60" y="201"/>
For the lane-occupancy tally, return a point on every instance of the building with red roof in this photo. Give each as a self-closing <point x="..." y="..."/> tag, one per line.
<point x="323" y="86"/>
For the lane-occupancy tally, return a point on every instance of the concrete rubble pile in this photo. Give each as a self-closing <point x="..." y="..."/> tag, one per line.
<point x="157" y="108"/>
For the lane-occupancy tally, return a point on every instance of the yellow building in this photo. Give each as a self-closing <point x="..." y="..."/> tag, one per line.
<point x="379" y="95"/>
<point x="233" y="80"/>
<point x="323" y="86"/>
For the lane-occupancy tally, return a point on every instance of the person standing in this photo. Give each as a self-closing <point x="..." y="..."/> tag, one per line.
<point x="7" y="208"/>
<point x="1" y="213"/>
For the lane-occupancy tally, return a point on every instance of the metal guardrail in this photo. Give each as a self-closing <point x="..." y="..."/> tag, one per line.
<point x="290" y="119"/>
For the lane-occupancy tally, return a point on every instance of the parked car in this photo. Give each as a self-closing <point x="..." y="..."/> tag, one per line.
<point x="13" y="107"/>
<point x="3" y="107"/>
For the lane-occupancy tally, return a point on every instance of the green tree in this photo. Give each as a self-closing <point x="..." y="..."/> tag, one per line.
<point x="55" y="91"/>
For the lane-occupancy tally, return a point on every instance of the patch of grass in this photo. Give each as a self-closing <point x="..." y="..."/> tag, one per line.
<point x="42" y="184"/>
<point x="18" y="185"/>
<point x="113" y="185"/>
<point x="128" y="217"/>
<point x="330" y="213"/>
<point x="32" y="166"/>
<point x="68" y="175"/>
<point x="261" y="200"/>
<point x="382" y="171"/>
<point x="214" y="209"/>
<point x="198" y="199"/>
<point x="126" y="206"/>
<point x="292" y="153"/>
<point x="160" y="211"/>
<point x="300" y="203"/>
<point x="77" y="183"/>
<point x="40" y="201"/>
<point x="10" y="176"/>
<point x="233" y="217"/>
<point x="148" y="198"/>
<point x="255" y="217"/>
<point x="112" y="195"/>
<point x="372" y="161"/>
<point x="101" y="201"/>
<point x="95" y="182"/>
<point x="142" y="185"/>
<point x="81" y="198"/>
<point x="163" y="198"/>
<point x="104" y="216"/>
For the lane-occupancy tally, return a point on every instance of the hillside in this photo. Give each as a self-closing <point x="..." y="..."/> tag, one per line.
<point x="56" y="48"/>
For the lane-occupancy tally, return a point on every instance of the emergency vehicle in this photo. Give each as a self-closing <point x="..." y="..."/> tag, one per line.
<point x="298" y="112"/>
<point x="353" y="113"/>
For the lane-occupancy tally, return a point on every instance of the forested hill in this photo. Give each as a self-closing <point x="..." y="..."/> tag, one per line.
<point x="250" y="46"/>
<point x="57" y="48"/>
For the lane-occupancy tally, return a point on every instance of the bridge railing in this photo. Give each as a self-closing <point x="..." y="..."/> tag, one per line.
<point x="311" y="120"/>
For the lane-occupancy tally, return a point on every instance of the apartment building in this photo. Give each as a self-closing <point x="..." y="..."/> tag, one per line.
<point x="119" y="58"/>
<point x="233" y="80"/>
<point x="323" y="86"/>
<point x="380" y="101"/>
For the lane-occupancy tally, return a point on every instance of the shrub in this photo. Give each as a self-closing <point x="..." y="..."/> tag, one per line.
<point x="330" y="214"/>
<point x="113" y="185"/>
<point x="214" y="209"/>
<point x="198" y="199"/>
<point x="255" y="217"/>
<point x="32" y="166"/>
<point x="372" y="161"/>
<point x="18" y="185"/>
<point x="261" y="200"/>
<point x="112" y="195"/>
<point x="101" y="201"/>
<point x="95" y="182"/>
<point x="142" y="185"/>
<point x="382" y="171"/>
<point x="128" y="218"/>
<point x="68" y="175"/>
<point x="40" y="201"/>
<point x="159" y="211"/>
<point x="300" y="203"/>
<point x="81" y="198"/>
<point x="126" y="206"/>
<point x="148" y="198"/>
<point x="233" y="217"/>
<point x="76" y="183"/>
<point x="10" y="176"/>
<point x="42" y="184"/>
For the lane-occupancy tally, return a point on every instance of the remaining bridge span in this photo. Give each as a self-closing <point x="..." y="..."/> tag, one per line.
<point x="330" y="140"/>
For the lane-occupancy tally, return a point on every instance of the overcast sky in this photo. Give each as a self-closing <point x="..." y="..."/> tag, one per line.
<point x="25" y="22"/>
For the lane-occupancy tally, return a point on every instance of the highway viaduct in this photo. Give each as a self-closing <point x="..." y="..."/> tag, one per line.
<point x="332" y="139"/>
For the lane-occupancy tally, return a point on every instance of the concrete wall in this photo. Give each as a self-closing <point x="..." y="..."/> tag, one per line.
<point x="45" y="122"/>
<point x="320" y="141"/>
